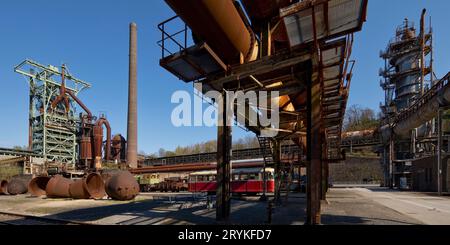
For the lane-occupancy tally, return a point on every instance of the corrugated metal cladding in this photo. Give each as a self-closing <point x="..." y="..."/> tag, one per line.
<point x="343" y="15"/>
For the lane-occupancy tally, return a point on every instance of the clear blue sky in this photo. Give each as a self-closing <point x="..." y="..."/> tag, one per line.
<point x="91" y="37"/>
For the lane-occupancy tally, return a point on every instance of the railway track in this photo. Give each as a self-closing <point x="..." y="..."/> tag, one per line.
<point x="7" y="218"/>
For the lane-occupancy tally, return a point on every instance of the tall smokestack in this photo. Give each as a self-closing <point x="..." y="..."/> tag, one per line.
<point x="132" y="100"/>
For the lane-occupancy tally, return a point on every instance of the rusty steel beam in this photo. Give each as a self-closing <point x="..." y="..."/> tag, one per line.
<point x="196" y="167"/>
<point x="132" y="100"/>
<point x="314" y="149"/>
<point x="224" y="151"/>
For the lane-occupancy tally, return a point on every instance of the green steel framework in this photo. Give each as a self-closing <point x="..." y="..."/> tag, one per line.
<point x="52" y="132"/>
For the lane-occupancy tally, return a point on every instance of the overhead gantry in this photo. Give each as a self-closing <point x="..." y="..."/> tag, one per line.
<point x="299" y="49"/>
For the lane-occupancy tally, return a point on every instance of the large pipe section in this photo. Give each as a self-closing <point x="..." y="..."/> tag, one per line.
<point x="89" y="187"/>
<point x="19" y="184"/>
<point x="3" y="187"/>
<point x="38" y="185"/>
<point x="423" y="114"/>
<point x="220" y="25"/>
<point x="132" y="99"/>
<point x="122" y="186"/>
<point x="58" y="187"/>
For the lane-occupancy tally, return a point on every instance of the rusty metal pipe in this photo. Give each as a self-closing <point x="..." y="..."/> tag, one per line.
<point x="100" y="122"/>
<point x="3" y="187"/>
<point x="19" y="184"/>
<point x="91" y="186"/>
<point x="122" y="186"/>
<point x="80" y="103"/>
<point x="132" y="100"/>
<point x="426" y="112"/>
<point x="38" y="185"/>
<point x="62" y="91"/>
<point x="58" y="187"/>
<point x="220" y="25"/>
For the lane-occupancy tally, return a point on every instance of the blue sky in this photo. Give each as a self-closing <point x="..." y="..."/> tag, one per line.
<point x="91" y="37"/>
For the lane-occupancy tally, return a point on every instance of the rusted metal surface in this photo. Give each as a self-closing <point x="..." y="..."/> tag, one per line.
<point x="224" y="145"/>
<point x="62" y="97"/>
<point x="58" y="187"/>
<point x="38" y="185"/>
<point x="91" y="186"/>
<point x="3" y="187"/>
<point x="132" y="100"/>
<point x="85" y="149"/>
<point x="122" y="186"/>
<point x="98" y="138"/>
<point x="118" y="148"/>
<point x="264" y="9"/>
<point x="19" y="184"/>
<point x="220" y="25"/>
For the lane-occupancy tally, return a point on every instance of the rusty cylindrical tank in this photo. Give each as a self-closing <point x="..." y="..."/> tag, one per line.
<point x="221" y="26"/>
<point x="132" y="100"/>
<point x="58" y="187"/>
<point x="38" y="185"/>
<point x="85" y="149"/>
<point x="91" y="186"/>
<point x="3" y="187"/>
<point x="122" y="186"/>
<point x="19" y="184"/>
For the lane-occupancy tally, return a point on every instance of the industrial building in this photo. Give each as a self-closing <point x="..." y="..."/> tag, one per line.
<point x="414" y="125"/>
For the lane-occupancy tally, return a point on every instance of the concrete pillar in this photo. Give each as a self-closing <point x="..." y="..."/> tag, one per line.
<point x="224" y="151"/>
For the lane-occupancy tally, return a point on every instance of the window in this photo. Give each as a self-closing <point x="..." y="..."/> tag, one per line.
<point x="244" y="177"/>
<point x="193" y="179"/>
<point x="252" y="177"/>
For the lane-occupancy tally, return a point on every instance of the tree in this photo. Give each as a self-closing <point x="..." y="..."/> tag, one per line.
<point x="358" y="118"/>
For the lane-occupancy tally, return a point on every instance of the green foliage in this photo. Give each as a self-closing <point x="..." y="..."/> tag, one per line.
<point x="207" y="147"/>
<point x="358" y="118"/>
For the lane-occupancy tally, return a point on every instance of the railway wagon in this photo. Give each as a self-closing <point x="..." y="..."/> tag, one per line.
<point x="243" y="181"/>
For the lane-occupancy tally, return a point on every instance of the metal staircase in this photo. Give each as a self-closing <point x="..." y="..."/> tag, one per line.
<point x="283" y="171"/>
<point x="267" y="151"/>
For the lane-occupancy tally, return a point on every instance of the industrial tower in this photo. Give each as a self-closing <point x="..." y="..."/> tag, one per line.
<point x="53" y="126"/>
<point x="407" y="75"/>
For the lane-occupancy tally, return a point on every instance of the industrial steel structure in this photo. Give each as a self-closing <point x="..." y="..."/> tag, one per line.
<point x="301" y="49"/>
<point x="415" y="100"/>
<point x="56" y="132"/>
<point x="52" y="128"/>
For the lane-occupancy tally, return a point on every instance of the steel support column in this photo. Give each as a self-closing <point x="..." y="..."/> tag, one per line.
<point x="391" y="164"/>
<point x="439" y="151"/>
<point x="278" y="170"/>
<point x="314" y="151"/>
<point x="224" y="151"/>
